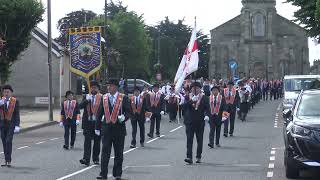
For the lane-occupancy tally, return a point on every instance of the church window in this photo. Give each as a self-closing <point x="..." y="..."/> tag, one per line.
<point x="258" y="25"/>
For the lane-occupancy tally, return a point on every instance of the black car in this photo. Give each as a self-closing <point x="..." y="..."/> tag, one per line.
<point x="302" y="134"/>
<point x="131" y="83"/>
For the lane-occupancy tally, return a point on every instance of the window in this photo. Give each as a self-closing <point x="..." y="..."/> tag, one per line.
<point x="259" y="25"/>
<point x="309" y="105"/>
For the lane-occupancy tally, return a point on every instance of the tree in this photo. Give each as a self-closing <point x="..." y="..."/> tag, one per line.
<point x="308" y="15"/>
<point x="75" y="19"/>
<point x="204" y="55"/>
<point x="18" y="18"/>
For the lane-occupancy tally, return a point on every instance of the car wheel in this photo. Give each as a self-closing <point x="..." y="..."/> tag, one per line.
<point x="292" y="171"/>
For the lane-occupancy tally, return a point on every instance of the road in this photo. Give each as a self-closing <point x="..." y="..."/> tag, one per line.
<point x="254" y="153"/>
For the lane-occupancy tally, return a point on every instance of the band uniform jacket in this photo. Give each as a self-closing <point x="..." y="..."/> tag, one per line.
<point x="75" y="114"/>
<point x="114" y="127"/>
<point x="193" y="115"/>
<point x="10" y="117"/>
<point x="217" y="118"/>
<point x="138" y="112"/>
<point x="88" y="121"/>
<point x="156" y="109"/>
<point x="231" y="107"/>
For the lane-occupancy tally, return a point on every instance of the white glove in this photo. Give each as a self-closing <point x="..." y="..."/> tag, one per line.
<point x="121" y="118"/>
<point x="147" y="119"/>
<point x="77" y="122"/>
<point x="61" y="124"/>
<point x="162" y="112"/>
<point x="1" y="102"/>
<point x="194" y="98"/>
<point x="88" y="97"/>
<point x="97" y="132"/>
<point x="224" y="118"/>
<point x="238" y="109"/>
<point x="16" y="129"/>
<point x="206" y="118"/>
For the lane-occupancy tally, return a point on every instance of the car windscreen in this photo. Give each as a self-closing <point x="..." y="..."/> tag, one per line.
<point x="301" y="84"/>
<point x="309" y="105"/>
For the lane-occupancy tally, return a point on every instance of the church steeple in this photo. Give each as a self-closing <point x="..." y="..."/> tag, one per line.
<point x="258" y="3"/>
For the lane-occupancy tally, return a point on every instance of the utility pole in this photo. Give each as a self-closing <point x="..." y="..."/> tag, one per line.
<point x="105" y="39"/>
<point x="50" y="62"/>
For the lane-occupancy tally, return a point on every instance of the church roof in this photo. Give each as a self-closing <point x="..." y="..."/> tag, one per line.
<point x="237" y="18"/>
<point x="290" y="22"/>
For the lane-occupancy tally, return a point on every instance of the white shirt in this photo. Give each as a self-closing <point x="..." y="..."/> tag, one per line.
<point x="248" y="88"/>
<point x="115" y="96"/>
<point x="135" y="99"/>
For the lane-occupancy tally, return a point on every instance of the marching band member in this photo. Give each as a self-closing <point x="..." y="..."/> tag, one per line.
<point x="138" y="109"/>
<point x="9" y="121"/>
<point x="244" y="95"/>
<point x="70" y="119"/>
<point x="231" y="96"/>
<point x="91" y="104"/>
<point x="156" y="100"/>
<point x="172" y="104"/>
<point x="196" y="105"/>
<point x="216" y="116"/>
<point x="115" y="107"/>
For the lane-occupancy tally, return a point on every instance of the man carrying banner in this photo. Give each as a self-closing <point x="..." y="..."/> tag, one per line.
<point x="70" y="119"/>
<point x="91" y="104"/>
<point x="115" y="108"/>
<point x="231" y="97"/>
<point x="9" y="121"/>
<point x="156" y="100"/>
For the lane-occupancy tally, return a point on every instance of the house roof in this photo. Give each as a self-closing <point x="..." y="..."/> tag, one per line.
<point x="42" y="37"/>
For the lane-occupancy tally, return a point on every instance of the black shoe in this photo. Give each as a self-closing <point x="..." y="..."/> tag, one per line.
<point x="96" y="162"/>
<point x="132" y="146"/>
<point x="210" y="145"/>
<point x="188" y="160"/>
<point x="158" y="135"/>
<point x="218" y="145"/>
<point x="65" y="147"/>
<point x="198" y="160"/>
<point x="72" y="147"/>
<point x="84" y="162"/>
<point x="231" y="135"/>
<point x="149" y="135"/>
<point x="142" y="144"/>
<point x="225" y="135"/>
<point x="170" y="121"/>
<point x="100" y="177"/>
<point x="4" y="165"/>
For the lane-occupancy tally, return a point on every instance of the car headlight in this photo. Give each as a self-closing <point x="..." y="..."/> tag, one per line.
<point x="300" y="131"/>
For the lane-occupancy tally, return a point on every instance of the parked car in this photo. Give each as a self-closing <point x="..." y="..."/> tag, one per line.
<point x="302" y="133"/>
<point x="139" y="83"/>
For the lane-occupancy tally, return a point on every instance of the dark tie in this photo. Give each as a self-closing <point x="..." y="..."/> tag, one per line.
<point x="111" y="100"/>
<point x="215" y="101"/>
<point x="69" y="106"/>
<point x="6" y="104"/>
<point x="137" y="102"/>
<point x="229" y="92"/>
<point x="93" y="99"/>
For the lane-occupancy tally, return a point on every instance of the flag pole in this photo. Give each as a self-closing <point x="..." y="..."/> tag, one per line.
<point x="195" y="26"/>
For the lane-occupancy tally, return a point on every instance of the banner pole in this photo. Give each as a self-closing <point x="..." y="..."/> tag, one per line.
<point x="88" y="82"/>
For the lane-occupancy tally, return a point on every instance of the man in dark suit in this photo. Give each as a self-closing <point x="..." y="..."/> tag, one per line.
<point x="91" y="104"/>
<point x="115" y="107"/>
<point x="231" y="97"/>
<point x="156" y="105"/>
<point x="196" y="105"/>
<point x="9" y="121"/>
<point x="217" y="107"/>
<point x="138" y="109"/>
<point x="70" y="119"/>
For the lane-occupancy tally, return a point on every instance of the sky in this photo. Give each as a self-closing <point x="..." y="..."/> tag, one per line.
<point x="209" y="13"/>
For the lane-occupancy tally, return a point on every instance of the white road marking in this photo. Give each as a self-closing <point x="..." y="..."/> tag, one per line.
<point x="23" y="147"/>
<point x="78" y="172"/>
<point x="270" y="174"/>
<point x="53" y="139"/>
<point x="273" y="152"/>
<point x="130" y="150"/>
<point x="273" y="148"/>
<point x="271" y="166"/>
<point x="79" y="132"/>
<point x="272" y="158"/>
<point x="155" y="139"/>
<point x="1" y="152"/>
<point x="40" y="142"/>
<point x="176" y="129"/>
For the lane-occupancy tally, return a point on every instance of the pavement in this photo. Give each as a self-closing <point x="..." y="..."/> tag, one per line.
<point x="31" y="119"/>
<point x="254" y="153"/>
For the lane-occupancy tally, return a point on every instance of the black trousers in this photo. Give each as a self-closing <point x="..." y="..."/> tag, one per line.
<point x="180" y="111"/>
<point x="226" y="123"/>
<point x="215" y="129"/>
<point x="271" y="95"/>
<point x="155" y="119"/>
<point x="7" y="137"/>
<point x="89" y="136"/>
<point x="135" y="122"/>
<point x="111" y="138"/>
<point x="191" y="130"/>
<point x="70" y="128"/>
<point x="265" y="95"/>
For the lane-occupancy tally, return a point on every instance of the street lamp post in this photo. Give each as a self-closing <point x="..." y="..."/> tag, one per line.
<point x="105" y="36"/>
<point x="50" y="62"/>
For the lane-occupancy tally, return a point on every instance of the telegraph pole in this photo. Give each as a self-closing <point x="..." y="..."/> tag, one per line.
<point x="105" y="39"/>
<point x="50" y="62"/>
